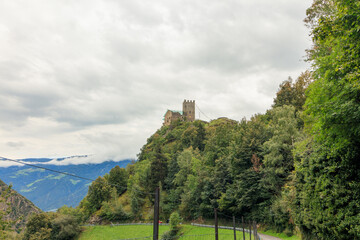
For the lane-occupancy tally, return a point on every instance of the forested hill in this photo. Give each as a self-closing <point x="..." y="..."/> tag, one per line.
<point x="239" y="167"/>
<point x="294" y="168"/>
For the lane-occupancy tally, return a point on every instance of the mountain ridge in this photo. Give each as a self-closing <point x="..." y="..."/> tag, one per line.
<point x="51" y="190"/>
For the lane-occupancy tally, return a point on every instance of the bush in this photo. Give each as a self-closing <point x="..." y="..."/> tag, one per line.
<point x="53" y="226"/>
<point x="113" y="211"/>
<point x="64" y="227"/>
<point x="74" y="212"/>
<point x="38" y="227"/>
<point x="175" y="220"/>
<point x="174" y="231"/>
<point x="288" y="232"/>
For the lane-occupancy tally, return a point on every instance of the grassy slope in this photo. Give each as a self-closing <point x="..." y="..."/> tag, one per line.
<point x="137" y="231"/>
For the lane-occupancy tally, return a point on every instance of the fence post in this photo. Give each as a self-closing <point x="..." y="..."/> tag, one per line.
<point x="253" y="225"/>
<point x="242" y="221"/>
<point x="256" y="231"/>
<point x="234" y="227"/>
<point x="250" y="228"/>
<point x="216" y="225"/>
<point x="156" y="214"/>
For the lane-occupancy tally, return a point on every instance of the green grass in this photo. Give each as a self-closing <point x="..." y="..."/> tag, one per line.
<point x="119" y="232"/>
<point x="224" y="234"/>
<point x="280" y="235"/>
<point x="138" y="231"/>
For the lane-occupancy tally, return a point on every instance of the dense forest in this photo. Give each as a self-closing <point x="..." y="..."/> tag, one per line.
<point x="294" y="168"/>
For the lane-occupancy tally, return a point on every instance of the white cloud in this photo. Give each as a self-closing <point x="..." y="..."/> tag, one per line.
<point x="95" y="77"/>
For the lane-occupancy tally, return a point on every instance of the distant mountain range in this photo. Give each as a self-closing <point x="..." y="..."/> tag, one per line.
<point x="50" y="190"/>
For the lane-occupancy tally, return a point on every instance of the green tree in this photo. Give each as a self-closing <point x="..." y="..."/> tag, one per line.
<point x="293" y="93"/>
<point x="137" y="188"/>
<point x="113" y="210"/>
<point x="74" y="212"/>
<point x="118" y="178"/>
<point x="278" y="158"/>
<point x="99" y="191"/>
<point x="64" y="227"/>
<point x="55" y="226"/>
<point x="38" y="227"/>
<point x="327" y="177"/>
<point x="158" y="169"/>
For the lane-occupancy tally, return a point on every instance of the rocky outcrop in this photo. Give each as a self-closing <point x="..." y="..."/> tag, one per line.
<point x="18" y="206"/>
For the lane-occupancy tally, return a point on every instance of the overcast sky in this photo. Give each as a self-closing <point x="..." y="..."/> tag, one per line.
<point x="96" y="76"/>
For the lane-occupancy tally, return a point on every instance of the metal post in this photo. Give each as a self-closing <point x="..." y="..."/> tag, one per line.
<point x="242" y="223"/>
<point x="234" y="227"/>
<point x="216" y="225"/>
<point x="156" y="214"/>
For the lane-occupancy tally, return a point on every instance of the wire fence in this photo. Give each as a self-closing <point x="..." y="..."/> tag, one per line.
<point x="242" y="233"/>
<point x="223" y="227"/>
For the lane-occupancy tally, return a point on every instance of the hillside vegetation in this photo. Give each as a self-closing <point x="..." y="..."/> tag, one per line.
<point x="239" y="167"/>
<point x="14" y="210"/>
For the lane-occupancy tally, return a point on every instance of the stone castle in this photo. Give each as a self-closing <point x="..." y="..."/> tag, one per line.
<point x="187" y="114"/>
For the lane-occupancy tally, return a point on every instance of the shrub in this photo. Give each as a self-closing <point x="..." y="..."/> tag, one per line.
<point x="64" y="227"/>
<point x="174" y="232"/>
<point x="113" y="211"/>
<point x="38" y="227"/>
<point x="53" y="226"/>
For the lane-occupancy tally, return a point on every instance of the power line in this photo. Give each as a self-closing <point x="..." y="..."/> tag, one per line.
<point x="48" y="169"/>
<point x="71" y="175"/>
<point x="202" y="112"/>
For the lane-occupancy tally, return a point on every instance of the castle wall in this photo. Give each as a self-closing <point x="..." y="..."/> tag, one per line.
<point x="187" y="115"/>
<point x="189" y="110"/>
<point x="171" y="116"/>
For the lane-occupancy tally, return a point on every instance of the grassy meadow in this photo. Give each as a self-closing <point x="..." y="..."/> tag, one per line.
<point x="141" y="231"/>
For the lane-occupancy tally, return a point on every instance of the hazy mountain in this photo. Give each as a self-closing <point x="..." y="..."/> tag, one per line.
<point x="50" y="190"/>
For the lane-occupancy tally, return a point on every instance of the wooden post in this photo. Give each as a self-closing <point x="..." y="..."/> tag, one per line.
<point x="253" y="224"/>
<point x="242" y="223"/>
<point x="234" y="227"/>
<point x="216" y="225"/>
<point x="250" y="228"/>
<point x="256" y="232"/>
<point x="156" y="214"/>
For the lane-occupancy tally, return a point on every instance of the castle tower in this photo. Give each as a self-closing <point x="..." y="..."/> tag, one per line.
<point x="189" y="110"/>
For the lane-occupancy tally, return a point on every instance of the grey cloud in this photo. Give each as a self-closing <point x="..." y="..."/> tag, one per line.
<point x="78" y="69"/>
<point x="239" y="37"/>
<point x="15" y="144"/>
